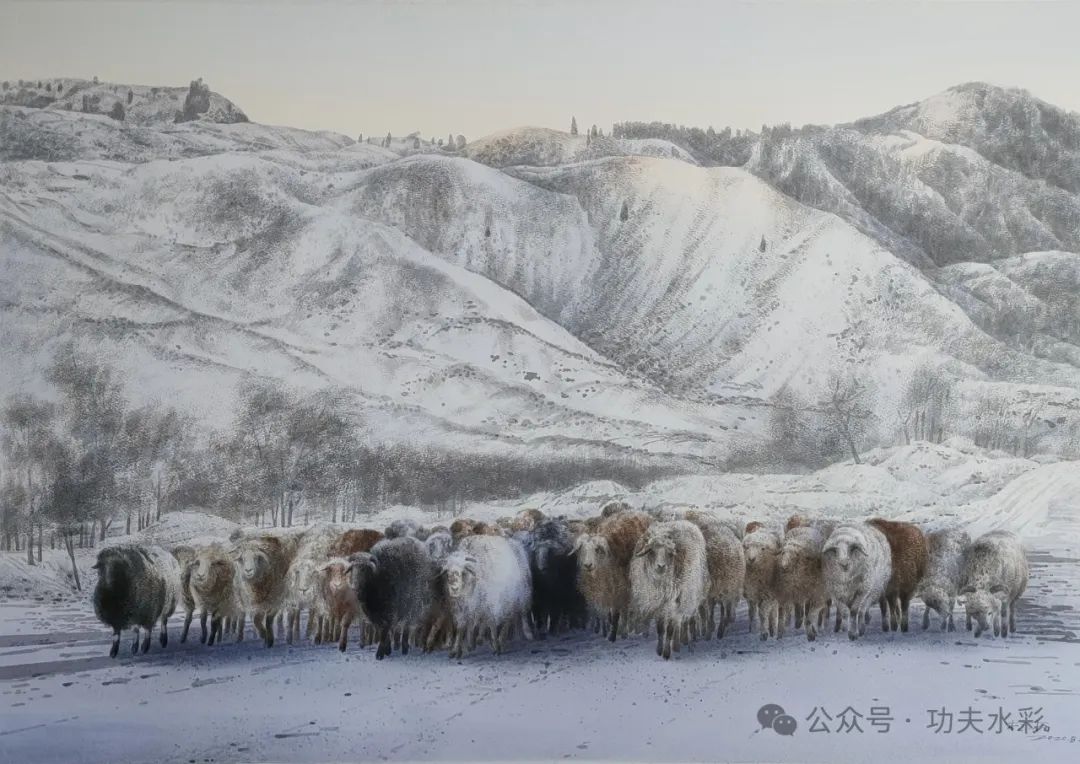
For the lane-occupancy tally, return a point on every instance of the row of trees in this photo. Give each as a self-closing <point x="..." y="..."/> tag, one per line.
<point x="75" y="464"/>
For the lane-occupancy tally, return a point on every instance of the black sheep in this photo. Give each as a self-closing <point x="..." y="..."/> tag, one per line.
<point x="396" y="585"/>
<point x="553" y="564"/>
<point x="137" y="587"/>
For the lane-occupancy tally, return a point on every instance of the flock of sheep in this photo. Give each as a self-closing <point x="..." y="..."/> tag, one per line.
<point x="618" y="573"/>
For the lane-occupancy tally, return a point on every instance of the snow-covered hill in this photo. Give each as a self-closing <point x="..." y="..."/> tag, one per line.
<point x="540" y="289"/>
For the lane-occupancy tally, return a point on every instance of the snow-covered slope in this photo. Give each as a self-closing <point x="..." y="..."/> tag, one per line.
<point x="542" y="147"/>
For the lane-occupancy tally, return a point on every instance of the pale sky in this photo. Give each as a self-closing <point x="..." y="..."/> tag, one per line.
<point x="478" y="66"/>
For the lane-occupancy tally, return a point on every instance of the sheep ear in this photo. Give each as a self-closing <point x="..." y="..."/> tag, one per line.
<point x="968" y="590"/>
<point x="96" y="566"/>
<point x="997" y="589"/>
<point x="644" y="550"/>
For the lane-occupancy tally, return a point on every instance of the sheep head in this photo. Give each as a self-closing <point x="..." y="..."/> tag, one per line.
<point x="460" y="573"/>
<point x="659" y="551"/>
<point x="592" y="551"/>
<point x="210" y="567"/>
<point x="984" y="606"/>
<point x="842" y="551"/>
<point x="253" y="562"/>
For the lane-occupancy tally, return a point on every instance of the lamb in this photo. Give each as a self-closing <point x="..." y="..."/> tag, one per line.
<point x="995" y="575"/>
<point x="604" y="567"/>
<point x="944" y="574"/>
<point x="800" y="580"/>
<point x="215" y="587"/>
<point x="487" y="586"/>
<point x="553" y="567"/>
<point x="354" y="540"/>
<point x="263" y="562"/>
<point x="185" y="555"/>
<point x="669" y="580"/>
<point x="395" y="588"/>
<point x="727" y="569"/>
<point x="338" y="597"/>
<point x="761" y="547"/>
<point x="857" y="563"/>
<point x="137" y="587"/>
<point x="910" y="557"/>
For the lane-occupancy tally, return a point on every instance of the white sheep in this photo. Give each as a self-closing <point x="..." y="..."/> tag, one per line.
<point x="858" y="564"/>
<point x="215" y="589"/>
<point x="669" y="581"/>
<point x="944" y="575"/>
<point x="488" y="588"/>
<point x="995" y="575"/>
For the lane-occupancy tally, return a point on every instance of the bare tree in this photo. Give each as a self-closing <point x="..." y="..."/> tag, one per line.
<point x="925" y="404"/>
<point x="27" y="424"/>
<point x="847" y="409"/>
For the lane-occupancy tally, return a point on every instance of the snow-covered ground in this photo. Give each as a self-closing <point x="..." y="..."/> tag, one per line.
<point x="577" y="696"/>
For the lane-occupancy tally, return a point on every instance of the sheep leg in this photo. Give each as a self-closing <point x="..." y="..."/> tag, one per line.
<point x="343" y="642"/>
<point x="1012" y="616"/>
<point x="240" y="622"/>
<point x="968" y="619"/>
<point x="853" y="622"/>
<point x="384" y="644"/>
<point x="215" y="623"/>
<point x="895" y="612"/>
<point x="187" y="625"/>
<point x="883" y="603"/>
<point x="659" y="636"/>
<point x="1004" y="617"/>
<point x="926" y="618"/>
<point x="135" y="643"/>
<point x="163" y="637"/>
<point x="614" y="625"/>
<point x="146" y="639"/>
<point x="669" y="639"/>
<point x="905" y="611"/>
<point x="799" y="614"/>
<point x="810" y="620"/>
<point x="115" y="643"/>
<point x="864" y="620"/>
<point x="839" y="618"/>
<point x="526" y="629"/>
<point x="280" y="620"/>
<point x="268" y="629"/>
<point x="202" y="627"/>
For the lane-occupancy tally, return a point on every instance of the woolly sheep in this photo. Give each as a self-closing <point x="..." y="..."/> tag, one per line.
<point x="907" y="546"/>
<point x="800" y="579"/>
<point x="761" y="547"/>
<point x="669" y="580"/>
<point x="439" y="545"/>
<point x="402" y="527"/>
<point x="354" y="540"/>
<point x="944" y="574"/>
<point x="857" y="564"/>
<point x="603" y="560"/>
<point x="488" y="587"/>
<point x="995" y="575"/>
<point x="337" y="596"/>
<point x="395" y="587"/>
<point x="727" y="569"/>
<point x="263" y="562"/>
<point x="215" y="587"/>
<point x="137" y="587"/>
<point x="614" y="507"/>
<point x="553" y="568"/>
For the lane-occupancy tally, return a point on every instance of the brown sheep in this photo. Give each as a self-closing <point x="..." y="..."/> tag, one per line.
<point x="353" y="541"/>
<point x="461" y="528"/>
<point x="339" y="601"/>
<point x="185" y="555"/>
<point x="910" y="558"/>
<point x="604" y="567"/>
<point x="263" y="562"/>
<point x="795" y="521"/>
<point x="752" y="526"/>
<point x="614" y="508"/>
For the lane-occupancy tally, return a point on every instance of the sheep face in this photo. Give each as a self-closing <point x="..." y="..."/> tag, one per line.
<point x="984" y="607"/>
<point x="363" y="568"/>
<point x="336" y="576"/>
<point x="302" y="577"/>
<point x="252" y="562"/>
<point x="660" y="553"/>
<point x="207" y="571"/>
<point x="112" y="571"/>
<point x="438" y="545"/>
<point x="460" y="573"/>
<point x="759" y="549"/>
<point x="842" y="554"/>
<point x="935" y="598"/>
<point x="592" y="551"/>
